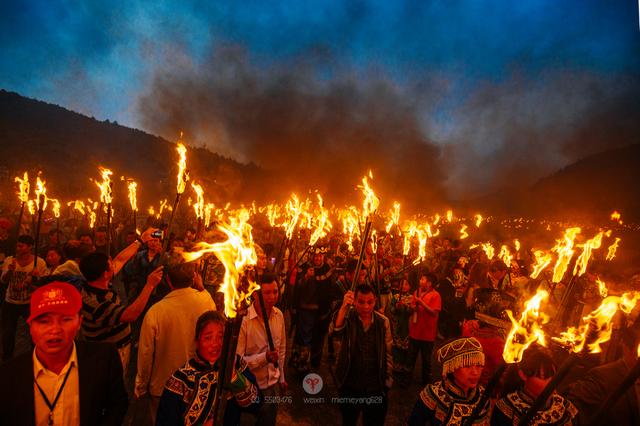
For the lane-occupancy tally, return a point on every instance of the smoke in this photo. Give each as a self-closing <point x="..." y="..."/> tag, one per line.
<point x="511" y="134"/>
<point x="315" y="125"/>
<point x="309" y="123"/>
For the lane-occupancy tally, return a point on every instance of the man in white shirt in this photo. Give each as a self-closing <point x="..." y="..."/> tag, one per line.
<point x="266" y="364"/>
<point x="167" y="336"/>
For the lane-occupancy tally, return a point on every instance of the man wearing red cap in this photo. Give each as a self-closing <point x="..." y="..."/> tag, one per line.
<point x="48" y="386"/>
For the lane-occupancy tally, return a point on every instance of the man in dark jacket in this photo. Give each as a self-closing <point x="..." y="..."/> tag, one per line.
<point x="62" y="382"/>
<point x="365" y="364"/>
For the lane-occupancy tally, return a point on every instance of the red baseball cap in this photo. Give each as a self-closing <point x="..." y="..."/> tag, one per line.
<point x="58" y="297"/>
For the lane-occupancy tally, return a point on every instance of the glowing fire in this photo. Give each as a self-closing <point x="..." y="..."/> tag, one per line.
<point x="516" y="244"/>
<point x="199" y="205"/>
<point x="478" y="219"/>
<point x="543" y="260"/>
<point x="371" y="201"/>
<point x="596" y="327"/>
<point x="105" y="185"/>
<point x="41" y="191"/>
<point x="55" y="207"/>
<point x="323" y="225"/>
<point x="408" y="235"/>
<point x="394" y="216"/>
<point x="489" y="250"/>
<point x="602" y="287"/>
<point x="422" y="245"/>
<point x="183" y="174"/>
<point x="564" y="248"/>
<point x="463" y="232"/>
<point x="527" y="330"/>
<point x="133" y="201"/>
<point x="583" y="260"/>
<point x="611" y="251"/>
<point x="208" y="209"/>
<point x="449" y="216"/>
<point x="505" y="255"/>
<point x="236" y="254"/>
<point x="615" y="216"/>
<point x="293" y="211"/>
<point x="23" y="187"/>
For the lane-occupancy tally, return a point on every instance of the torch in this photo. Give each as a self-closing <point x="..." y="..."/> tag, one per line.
<point x="41" y="203"/>
<point x="23" y="195"/>
<point x="524" y="332"/>
<point x="293" y="212"/>
<point x="106" y="191"/>
<point x="183" y="177"/>
<point x="237" y="253"/>
<point x="199" y="207"/>
<point x="371" y="203"/>
<point x="133" y="201"/>
<point x="596" y="329"/>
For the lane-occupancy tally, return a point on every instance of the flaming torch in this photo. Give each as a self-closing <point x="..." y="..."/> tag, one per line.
<point x="23" y="195"/>
<point x="106" y="191"/>
<point x="596" y="329"/>
<point x="133" y="201"/>
<point x="524" y="332"/>
<point x="199" y="207"/>
<point x="183" y="178"/>
<point x="41" y="204"/>
<point x="370" y="205"/>
<point x="237" y="254"/>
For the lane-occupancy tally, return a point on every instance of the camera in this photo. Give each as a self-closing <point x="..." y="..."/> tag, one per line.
<point x="157" y="234"/>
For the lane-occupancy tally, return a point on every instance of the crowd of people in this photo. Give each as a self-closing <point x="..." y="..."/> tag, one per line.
<point x="127" y="313"/>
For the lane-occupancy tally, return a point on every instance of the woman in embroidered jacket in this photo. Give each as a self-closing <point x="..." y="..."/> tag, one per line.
<point x="531" y="376"/>
<point x="452" y="400"/>
<point x="189" y="393"/>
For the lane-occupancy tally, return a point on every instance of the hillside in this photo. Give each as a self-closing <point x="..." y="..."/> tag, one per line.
<point x="68" y="147"/>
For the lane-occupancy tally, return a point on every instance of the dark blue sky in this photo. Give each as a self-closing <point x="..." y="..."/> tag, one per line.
<point x="468" y="68"/>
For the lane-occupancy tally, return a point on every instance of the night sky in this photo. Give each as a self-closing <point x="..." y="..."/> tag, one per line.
<point x="497" y="90"/>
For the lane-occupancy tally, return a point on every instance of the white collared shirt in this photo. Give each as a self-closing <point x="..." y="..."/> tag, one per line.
<point x="67" y="409"/>
<point x="253" y="346"/>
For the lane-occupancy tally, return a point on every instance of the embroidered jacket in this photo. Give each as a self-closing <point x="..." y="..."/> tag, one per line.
<point x="444" y="403"/>
<point x="190" y="391"/>
<point x="511" y="408"/>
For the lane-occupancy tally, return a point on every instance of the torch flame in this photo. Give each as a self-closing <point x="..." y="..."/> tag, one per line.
<point x="615" y="216"/>
<point x="105" y="185"/>
<point x="612" y="249"/>
<point x="236" y="254"/>
<point x="183" y="174"/>
<point x="323" y="225"/>
<point x="596" y="327"/>
<point x="478" y="219"/>
<point x="505" y="255"/>
<point x="56" y="207"/>
<point x="602" y="287"/>
<point x="463" y="232"/>
<point x="583" y="261"/>
<point x="293" y="211"/>
<point x="23" y="186"/>
<point x="199" y="205"/>
<point x="132" y="186"/>
<point x="374" y="241"/>
<point x="489" y="250"/>
<point x="41" y="190"/>
<point x="527" y="330"/>
<point x="543" y="260"/>
<point x="371" y="201"/>
<point x="564" y="248"/>
<point x="449" y="216"/>
<point x="394" y="216"/>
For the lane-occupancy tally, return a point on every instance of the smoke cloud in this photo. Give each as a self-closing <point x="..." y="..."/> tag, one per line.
<point x="315" y="125"/>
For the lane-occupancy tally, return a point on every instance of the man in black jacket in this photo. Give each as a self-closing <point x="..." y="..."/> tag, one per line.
<point x="365" y="366"/>
<point x="62" y="382"/>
